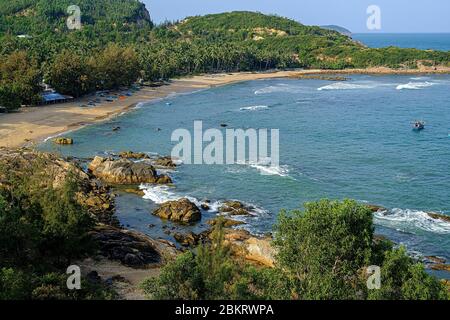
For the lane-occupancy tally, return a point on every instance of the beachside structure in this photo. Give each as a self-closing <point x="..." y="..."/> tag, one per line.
<point x="52" y="97"/>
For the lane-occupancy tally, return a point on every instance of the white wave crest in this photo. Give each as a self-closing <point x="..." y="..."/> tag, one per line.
<point x="407" y="220"/>
<point x="265" y="167"/>
<point x="277" y="88"/>
<point x="415" y="85"/>
<point x="254" y="108"/>
<point x="161" y="194"/>
<point x="346" y="86"/>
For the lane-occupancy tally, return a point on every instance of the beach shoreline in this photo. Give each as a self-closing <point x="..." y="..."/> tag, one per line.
<point x="33" y="125"/>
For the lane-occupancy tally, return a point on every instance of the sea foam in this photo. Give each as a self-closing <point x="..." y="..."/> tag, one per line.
<point x="346" y="86"/>
<point x="399" y="219"/>
<point x="254" y="108"/>
<point x="161" y="194"/>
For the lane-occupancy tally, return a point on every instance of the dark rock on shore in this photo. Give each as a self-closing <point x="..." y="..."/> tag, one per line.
<point x="181" y="210"/>
<point x="130" y="248"/>
<point x="124" y="171"/>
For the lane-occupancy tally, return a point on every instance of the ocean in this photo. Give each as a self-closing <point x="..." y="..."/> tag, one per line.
<point x="424" y="41"/>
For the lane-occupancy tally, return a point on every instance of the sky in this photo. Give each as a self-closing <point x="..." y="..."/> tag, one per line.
<point x="396" y="16"/>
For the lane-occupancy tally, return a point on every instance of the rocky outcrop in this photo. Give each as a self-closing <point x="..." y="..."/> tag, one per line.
<point x="235" y="208"/>
<point x="63" y="141"/>
<point x="441" y="267"/>
<point x="227" y="223"/>
<point x="49" y="170"/>
<point x="99" y="201"/>
<point x="124" y="171"/>
<point x="179" y="211"/>
<point x="133" y="155"/>
<point x="131" y="248"/>
<point x="254" y="249"/>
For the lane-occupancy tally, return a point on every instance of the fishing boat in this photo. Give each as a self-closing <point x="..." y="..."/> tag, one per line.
<point x="418" y="125"/>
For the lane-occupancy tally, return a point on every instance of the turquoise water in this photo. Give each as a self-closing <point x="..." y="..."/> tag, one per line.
<point x="424" y="41"/>
<point x="337" y="140"/>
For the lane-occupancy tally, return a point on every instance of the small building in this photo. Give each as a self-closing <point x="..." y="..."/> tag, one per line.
<point x="52" y="97"/>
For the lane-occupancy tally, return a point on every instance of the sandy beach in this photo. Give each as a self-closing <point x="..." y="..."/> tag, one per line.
<point x="34" y="124"/>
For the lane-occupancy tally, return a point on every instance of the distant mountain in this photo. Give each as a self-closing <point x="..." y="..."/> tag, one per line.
<point x="339" y="29"/>
<point x="37" y="16"/>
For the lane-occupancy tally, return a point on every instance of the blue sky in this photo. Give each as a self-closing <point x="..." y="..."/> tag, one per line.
<point x="396" y="15"/>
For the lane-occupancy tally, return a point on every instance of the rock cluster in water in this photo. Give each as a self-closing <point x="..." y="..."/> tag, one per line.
<point x="179" y="211"/>
<point x="125" y="171"/>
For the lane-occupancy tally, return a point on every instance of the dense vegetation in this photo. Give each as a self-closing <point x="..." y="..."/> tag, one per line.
<point x="236" y="41"/>
<point x="42" y="230"/>
<point x="323" y="253"/>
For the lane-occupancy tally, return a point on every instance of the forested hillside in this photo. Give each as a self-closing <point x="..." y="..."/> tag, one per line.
<point x="33" y="17"/>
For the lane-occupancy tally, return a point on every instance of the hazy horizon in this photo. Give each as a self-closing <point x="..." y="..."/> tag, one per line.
<point x="401" y="16"/>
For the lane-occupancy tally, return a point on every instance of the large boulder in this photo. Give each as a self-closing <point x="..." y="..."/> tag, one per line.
<point x="179" y="211"/>
<point x="251" y="248"/>
<point x="124" y="171"/>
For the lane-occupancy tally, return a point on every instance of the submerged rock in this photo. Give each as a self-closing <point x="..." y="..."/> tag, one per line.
<point x="441" y="267"/>
<point x="179" y="211"/>
<point x="165" y="162"/>
<point x="124" y="171"/>
<point x="235" y="208"/>
<point x="439" y="216"/>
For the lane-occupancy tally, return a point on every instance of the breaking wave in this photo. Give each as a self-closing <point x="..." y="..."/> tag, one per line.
<point x="254" y="108"/>
<point x="407" y="220"/>
<point x="346" y="86"/>
<point x="277" y="88"/>
<point x="415" y="85"/>
<point x="265" y="167"/>
<point x="161" y="194"/>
